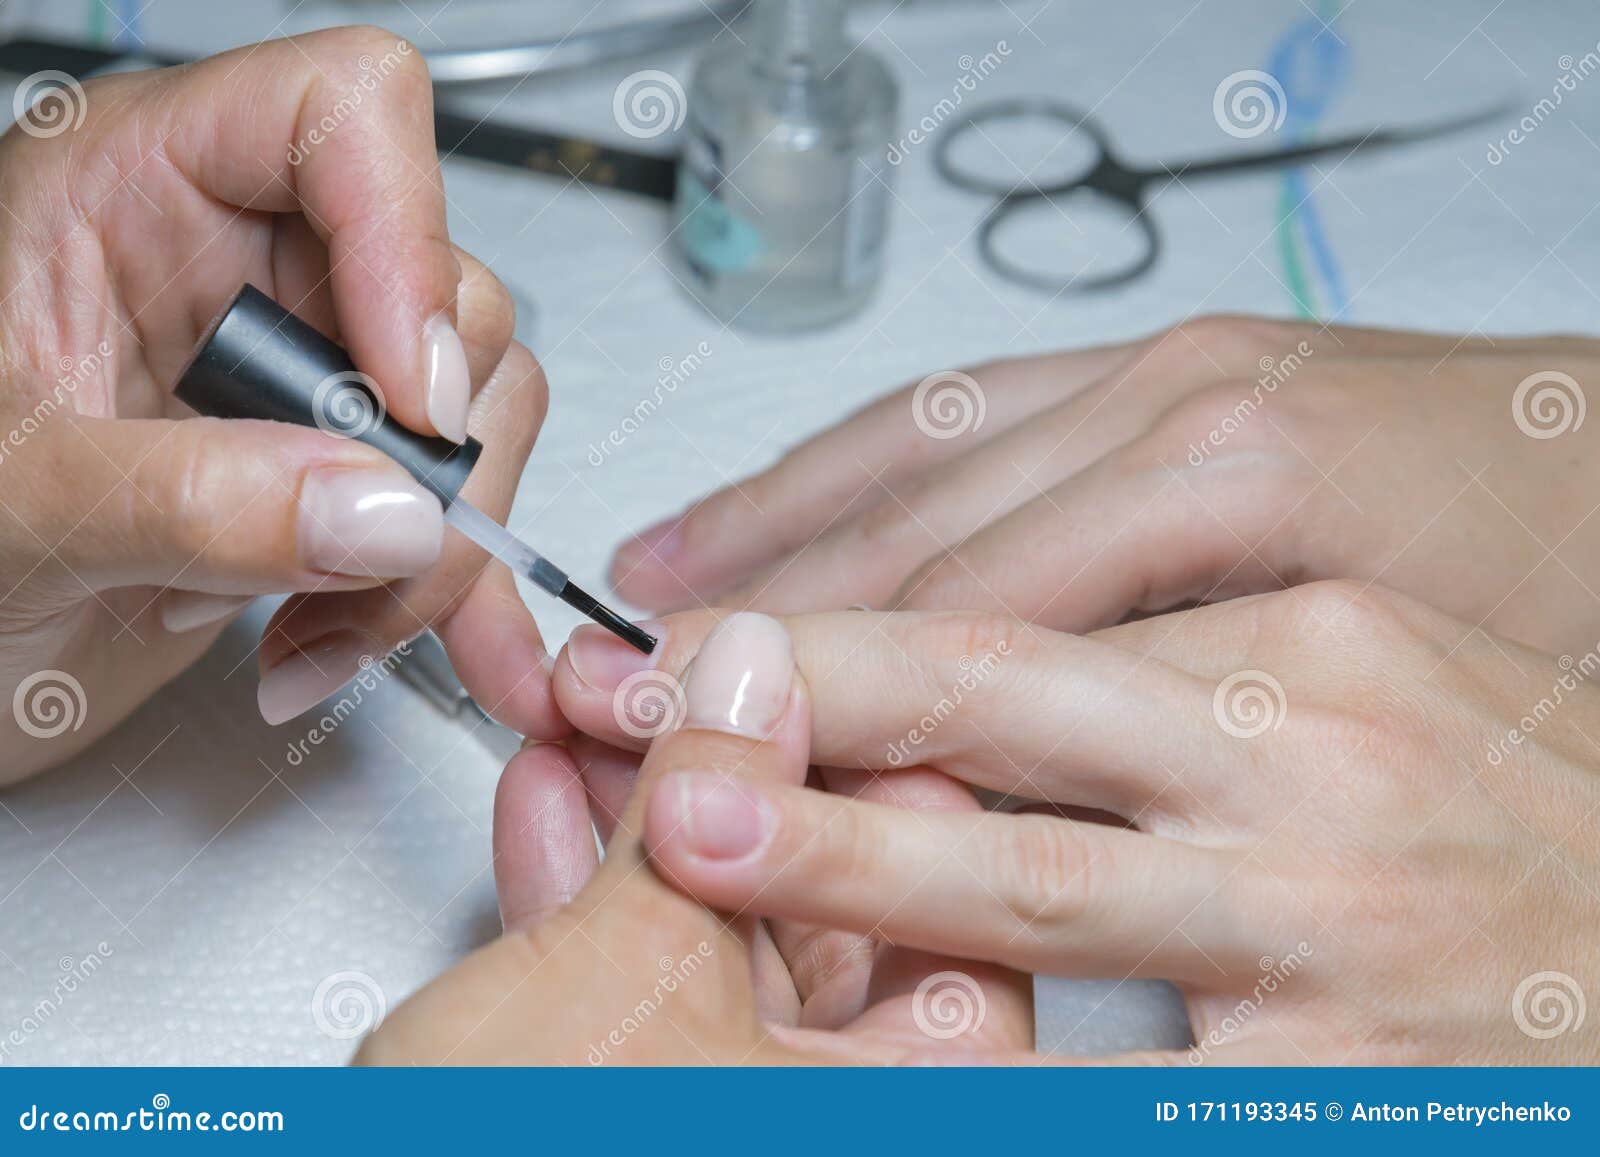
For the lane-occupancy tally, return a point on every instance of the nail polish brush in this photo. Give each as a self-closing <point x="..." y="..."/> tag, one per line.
<point x="257" y="360"/>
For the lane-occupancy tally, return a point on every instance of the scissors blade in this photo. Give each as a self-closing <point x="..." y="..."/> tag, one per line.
<point x="1377" y="137"/>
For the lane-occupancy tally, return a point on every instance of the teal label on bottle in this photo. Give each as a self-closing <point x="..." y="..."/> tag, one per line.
<point x="715" y="238"/>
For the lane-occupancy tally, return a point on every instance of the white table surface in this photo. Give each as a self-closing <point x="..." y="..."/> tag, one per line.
<point x="226" y="884"/>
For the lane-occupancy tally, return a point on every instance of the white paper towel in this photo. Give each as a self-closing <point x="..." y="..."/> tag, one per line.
<point x="211" y="901"/>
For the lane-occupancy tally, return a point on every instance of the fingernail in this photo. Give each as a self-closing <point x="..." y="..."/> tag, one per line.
<point x="368" y="522"/>
<point x="656" y="545"/>
<point x="739" y="682"/>
<point x="309" y="675"/>
<point x="602" y="661"/>
<point x="186" y="610"/>
<point x="716" y="818"/>
<point x="444" y="369"/>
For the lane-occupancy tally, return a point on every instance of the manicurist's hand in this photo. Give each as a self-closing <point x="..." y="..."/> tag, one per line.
<point x="131" y="530"/>
<point x="611" y="964"/>
<point x="1365" y="831"/>
<point x="1227" y="456"/>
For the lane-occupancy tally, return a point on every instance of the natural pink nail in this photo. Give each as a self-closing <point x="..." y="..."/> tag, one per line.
<point x="739" y="681"/>
<point x="446" y="377"/>
<point x="368" y="522"/>
<point x="715" y="817"/>
<point x="602" y="661"/>
<point x="310" y="674"/>
<point x="189" y="610"/>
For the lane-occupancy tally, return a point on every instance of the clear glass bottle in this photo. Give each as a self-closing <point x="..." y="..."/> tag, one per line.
<point x="783" y="201"/>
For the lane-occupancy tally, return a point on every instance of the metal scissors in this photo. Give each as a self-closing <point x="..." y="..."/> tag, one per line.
<point x="1111" y="183"/>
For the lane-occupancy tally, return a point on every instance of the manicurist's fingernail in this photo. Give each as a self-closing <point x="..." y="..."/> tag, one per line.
<point x="188" y="610"/>
<point x="445" y="374"/>
<point x="309" y="675"/>
<point x="740" y="680"/>
<point x="368" y="522"/>
<point x="602" y="661"/>
<point x="713" y="816"/>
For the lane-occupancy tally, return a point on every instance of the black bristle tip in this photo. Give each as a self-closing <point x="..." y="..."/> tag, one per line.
<point x="579" y="599"/>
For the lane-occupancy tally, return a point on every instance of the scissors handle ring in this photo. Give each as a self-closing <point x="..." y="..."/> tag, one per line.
<point x="1018" y="108"/>
<point x="1055" y="284"/>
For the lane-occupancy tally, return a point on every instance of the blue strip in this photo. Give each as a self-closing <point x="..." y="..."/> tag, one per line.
<point x="762" y="1112"/>
<point x="1311" y="64"/>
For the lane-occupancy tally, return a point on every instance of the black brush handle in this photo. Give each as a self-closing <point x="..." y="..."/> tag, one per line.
<point x="257" y="360"/>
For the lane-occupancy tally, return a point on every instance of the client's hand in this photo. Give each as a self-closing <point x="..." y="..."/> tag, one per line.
<point x="1227" y="456"/>
<point x="1366" y="832"/>
<point x="631" y="971"/>
<point x="130" y="530"/>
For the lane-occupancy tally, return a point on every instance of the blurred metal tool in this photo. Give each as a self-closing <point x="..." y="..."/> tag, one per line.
<point x="427" y="668"/>
<point x="457" y="135"/>
<point x="673" y="24"/>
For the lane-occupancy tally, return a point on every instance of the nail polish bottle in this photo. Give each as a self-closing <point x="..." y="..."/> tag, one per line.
<point x="783" y="197"/>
